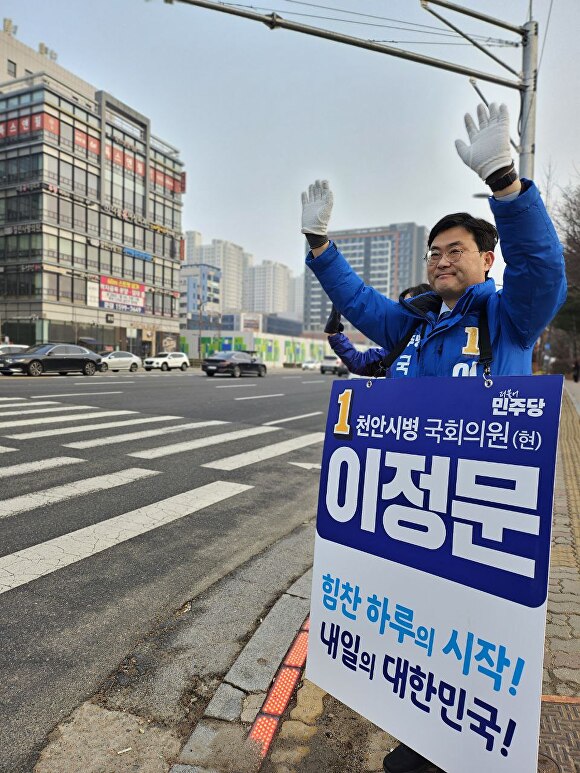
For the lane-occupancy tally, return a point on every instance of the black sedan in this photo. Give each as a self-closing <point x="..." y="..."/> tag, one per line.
<point x="51" y="358"/>
<point x="233" y="364"/>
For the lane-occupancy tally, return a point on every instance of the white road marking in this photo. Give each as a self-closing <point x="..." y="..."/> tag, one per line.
<point x="75" y="394"/>
<point x="88" y="427"/>
<point x="38" y="466"/>
<point x="259" y="397"/>
<point x="2" y="399"/>
<point x="235" y="386"/>
<point x="109" y="381"/>
<point x="28" y="565"/>
<point x="109" y="440"/>
<point x="28" y="405"/>
<point x="55" y="494"/>
<point x="55" y="419"/>
<point x="192" y="445"/>
<point x="6" y="450"/>
<point x="266" y="452"/>
<point x="315" y="381"/>
<point x="306" y="465"/>
<point x="291" y="418"/>
<point x="291" y="376"/>
<point x="28" y="409"/>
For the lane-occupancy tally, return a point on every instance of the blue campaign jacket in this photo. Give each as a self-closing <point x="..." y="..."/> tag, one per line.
<point x="362" y="363"/>
<point x="533" y="291"/>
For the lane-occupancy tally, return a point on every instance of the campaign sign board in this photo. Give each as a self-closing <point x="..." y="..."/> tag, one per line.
<point x="121" y="295"/>
<point x="431" y="562"/>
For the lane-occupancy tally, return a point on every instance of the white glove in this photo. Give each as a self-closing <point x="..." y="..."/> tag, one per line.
<point x="490" y="144"/>
<point x="316" y="208"/>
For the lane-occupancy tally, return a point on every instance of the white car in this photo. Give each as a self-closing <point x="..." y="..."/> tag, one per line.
<point x="119" y="361"/>
<point x="12" y="348"/>
<point x="310" y="365"/>
<point x="167" y="360"/>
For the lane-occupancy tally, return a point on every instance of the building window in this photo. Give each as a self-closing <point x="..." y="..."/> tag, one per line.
<point x="11" y="68"/>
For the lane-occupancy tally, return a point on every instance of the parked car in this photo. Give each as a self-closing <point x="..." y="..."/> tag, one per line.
<point x="51" y="358"/>
<point x="334" y="365"/>
<point x="119" y="361"/>
<point x="310" y="365"/>
<point x="233" y="364"/>
<point x="167" y="360"/>
<point x="12" y="348"/>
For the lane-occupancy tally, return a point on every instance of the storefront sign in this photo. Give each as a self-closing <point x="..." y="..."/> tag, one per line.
<point x="121" y="295"/>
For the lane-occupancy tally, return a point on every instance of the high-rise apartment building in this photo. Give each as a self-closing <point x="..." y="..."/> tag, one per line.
<point x="296" y="297"/>
<point x="388" y="258"/>
<point x="90" y="212"/>
<point x="231" y="259"/>
<point x="267" y="288"/>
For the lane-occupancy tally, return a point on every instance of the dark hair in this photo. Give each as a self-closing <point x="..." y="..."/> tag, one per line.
<point x="417" y="290"/>
<point x="484" y="233"/>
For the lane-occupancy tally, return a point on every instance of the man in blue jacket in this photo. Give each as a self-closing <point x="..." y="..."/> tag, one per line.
<point x="464" y="327"/>
<point x="443" y="327"/>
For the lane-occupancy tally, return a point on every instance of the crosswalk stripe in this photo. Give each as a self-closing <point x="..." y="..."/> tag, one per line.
<point x="38" y="466"/>
<point x="55" y="494"/>
<point x="292" y="418"/>
<point x="6" y="450"/>
<point x="26" y="410"/>
<point x="112" y="439"/>
<point x="27" y="565"/>
<point x="266" y="452"/>
<point x="76" y="394"/>
<point x="28" y="405"/>
<point x="191" y="445"/>
<point x="89" y="427"/>
<point x="56" y="419"/>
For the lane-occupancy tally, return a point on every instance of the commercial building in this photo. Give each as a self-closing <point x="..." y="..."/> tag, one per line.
<point x="199" y="305"/>
<point x="90" y="212"/>
<point x="389" y="258"/>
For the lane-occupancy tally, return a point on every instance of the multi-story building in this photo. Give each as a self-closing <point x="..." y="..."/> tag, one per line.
<point x="296" y="297"/>
<point x="199" y="286"/>
<point x="231" y="259"/>
<point x="90" y="212"/>
<point x="389" y="258"/>
<point x="267" y="288"/>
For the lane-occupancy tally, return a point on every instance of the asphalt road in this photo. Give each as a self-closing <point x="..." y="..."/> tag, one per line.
<point x="102" y="539"/>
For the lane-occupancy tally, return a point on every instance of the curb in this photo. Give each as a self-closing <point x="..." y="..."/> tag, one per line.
<point x="280" y="694"/>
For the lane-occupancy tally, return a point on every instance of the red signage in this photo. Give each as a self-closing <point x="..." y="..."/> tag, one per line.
<point x="81" y="139"/>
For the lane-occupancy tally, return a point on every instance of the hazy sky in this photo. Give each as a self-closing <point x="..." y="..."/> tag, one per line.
<point x="258" y="114"/>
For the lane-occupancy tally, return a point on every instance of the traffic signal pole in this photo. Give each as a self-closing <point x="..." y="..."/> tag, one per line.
<point x="525" y="82"/>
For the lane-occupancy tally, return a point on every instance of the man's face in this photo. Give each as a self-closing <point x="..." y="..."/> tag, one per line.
<point x="451" y="279"/>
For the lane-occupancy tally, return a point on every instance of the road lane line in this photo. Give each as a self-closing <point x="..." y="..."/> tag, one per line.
<point x="88" y="427"/>
<point x="55" y="419"/>
<point x="50" y="496"/>
<point x="235" y="386"/>
<point x="259" y="397"/>
<point x="75" y="394"/>
<point x="28" y="409"/>
<point x="111" y="439"/>
<point x="2" y="399"/>
<point x="315" y="381"/>
<point x="6" y="450"/>
<point x="291" y="418"/>
<point x="266" y="452"/>
<point x="109" y="381"/>
<point x="45" y="558"/>
<point x="38" y="466"/>
<point x="192" y="445"/>
<point x="291" y="376"/>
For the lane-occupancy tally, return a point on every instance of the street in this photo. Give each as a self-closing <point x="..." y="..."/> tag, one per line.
<point x="169" y="481"/>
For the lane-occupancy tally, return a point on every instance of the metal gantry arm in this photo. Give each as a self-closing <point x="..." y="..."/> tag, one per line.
<point x="526" y="82"/>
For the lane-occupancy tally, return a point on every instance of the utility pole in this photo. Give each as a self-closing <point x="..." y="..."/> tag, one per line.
<point x="525" y="82"/>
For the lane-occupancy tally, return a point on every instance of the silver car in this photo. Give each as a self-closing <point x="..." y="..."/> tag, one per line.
<point x="120" y="361"/>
